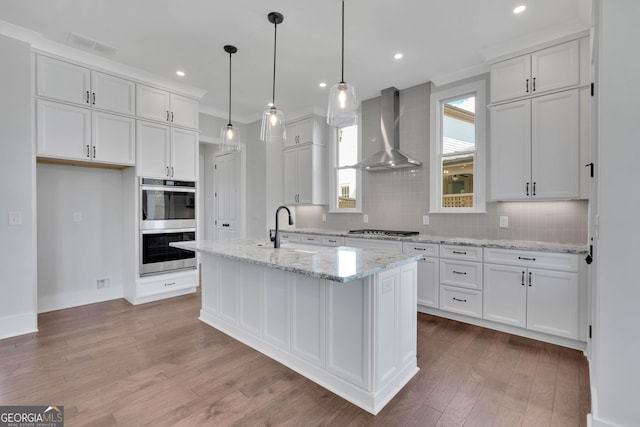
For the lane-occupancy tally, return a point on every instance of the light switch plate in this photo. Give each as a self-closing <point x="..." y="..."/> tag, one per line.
<point x="365" y="218"/>
<point x="15" y="218"/>
<point x="425" y="219"/>
<point x="324" y="217"/>
<point x="504" y="222"/>
<point x="77" y="216"/>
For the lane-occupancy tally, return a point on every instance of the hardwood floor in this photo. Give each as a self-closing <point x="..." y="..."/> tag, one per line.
<point x="116" y="364"/>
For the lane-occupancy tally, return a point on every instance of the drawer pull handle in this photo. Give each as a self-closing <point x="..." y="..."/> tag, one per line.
<point x="333" y="241"/>
<point x="530" y="281"/>
<point x="420" y="249"/>
<point x="459" y="253"/>
<point x="311" y="239"/>
<point x="459" y="300"/>
<point x="526" y="259"/>
<point x="170" y="284"/>
<point x="460" y="272"/>
<point x="523" y="278"/>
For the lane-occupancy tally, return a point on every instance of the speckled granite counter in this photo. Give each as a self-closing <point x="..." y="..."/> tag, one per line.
<point x="486" y="243"/>
<point x="340" y="264"/>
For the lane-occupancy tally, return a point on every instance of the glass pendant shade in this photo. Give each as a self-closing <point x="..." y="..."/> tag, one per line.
<point x="343" y="105"/>
<point x="273" y="127"/>
<point x="229" y="138"/>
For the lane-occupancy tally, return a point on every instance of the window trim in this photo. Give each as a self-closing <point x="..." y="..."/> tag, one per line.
<point x="437" y="101"/>
<point x="333" y="174"/>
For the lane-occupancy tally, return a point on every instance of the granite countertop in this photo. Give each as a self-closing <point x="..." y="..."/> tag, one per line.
<point x="486" y="243"/>
<point x="340" y="264"/>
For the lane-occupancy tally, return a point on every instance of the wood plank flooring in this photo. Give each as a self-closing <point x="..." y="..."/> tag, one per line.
<point x="116" y="364"/>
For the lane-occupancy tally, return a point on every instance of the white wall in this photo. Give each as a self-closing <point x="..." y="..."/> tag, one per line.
<point x="257" y="185"/>
<point x="72" y="255"/>
<point x="616" y="345"/>
<point x="18" y="313"/>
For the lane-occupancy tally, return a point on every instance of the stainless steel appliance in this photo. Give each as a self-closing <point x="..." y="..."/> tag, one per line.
<point x="375" y="232"/>
<point x="167" y="204"/>
<point x="167" y="214"/>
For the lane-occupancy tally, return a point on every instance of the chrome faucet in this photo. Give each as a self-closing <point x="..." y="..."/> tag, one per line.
<point x="276" y="240"/>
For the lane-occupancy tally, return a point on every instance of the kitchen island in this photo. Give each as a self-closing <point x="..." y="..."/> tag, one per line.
<point x="343" y="317"/>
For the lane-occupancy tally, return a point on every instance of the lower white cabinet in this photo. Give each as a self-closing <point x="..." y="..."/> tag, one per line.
<point x="75" y="133"/>
<point x="161" y="286"/>
<point x="541" y="300"/>
<point x="428" y="289"/>
<point x="461" y="279"/>
<point x="461" y="300"/>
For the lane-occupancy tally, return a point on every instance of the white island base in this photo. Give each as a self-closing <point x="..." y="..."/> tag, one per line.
<point x="356" y="339"/>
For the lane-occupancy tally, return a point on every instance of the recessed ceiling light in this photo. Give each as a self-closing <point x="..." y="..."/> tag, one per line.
<point x="323" y="84"/>
<point x="180" y="73"/>
<point x="519" y="9"/>
<point x="398" y="55"/>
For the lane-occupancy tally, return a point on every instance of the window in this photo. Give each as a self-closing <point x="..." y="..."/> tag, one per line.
<point x="345" y="194"/>
<point x="457" y="149"/>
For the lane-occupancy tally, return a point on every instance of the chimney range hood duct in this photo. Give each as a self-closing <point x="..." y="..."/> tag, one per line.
<point x="390" y="157"/>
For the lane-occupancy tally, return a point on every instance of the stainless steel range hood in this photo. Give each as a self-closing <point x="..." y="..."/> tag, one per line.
<point x="390" y="157"/>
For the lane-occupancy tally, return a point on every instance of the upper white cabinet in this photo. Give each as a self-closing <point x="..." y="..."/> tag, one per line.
<point x="305" y="131"/>
<point x="160" y="105"/>
<point x="535" y="148"/>
<point x="549" y="69"/>
<point x="73" y="133"/>
<point x="68" y="82"/>
<point x="166" y="152"/>
<point x="304" y="175"/>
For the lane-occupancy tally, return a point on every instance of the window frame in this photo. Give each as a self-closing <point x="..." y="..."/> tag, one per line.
<point x="438" y="99"/>
<point x="333" y="166"/>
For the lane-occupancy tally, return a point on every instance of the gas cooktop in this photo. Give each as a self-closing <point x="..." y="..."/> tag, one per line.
<point x="375" y="232"/>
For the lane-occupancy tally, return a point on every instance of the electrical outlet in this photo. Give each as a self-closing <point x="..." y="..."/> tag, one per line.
<point x="425" y="219"/>
<point x="77" y="216"/>
<point x="103" y="283"/>
<point x="15" y="218"/>
<point x="365" y="218"/>
<point x="504" y="222"/>
<point x="324" y="217"/>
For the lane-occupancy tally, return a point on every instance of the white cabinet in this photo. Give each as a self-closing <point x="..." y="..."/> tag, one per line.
<point x="166" y="152"/>
<point x="304" y="175"/>
<point x="302" y="132"/>
<point x="535" y="148"/>
<point x="428" y="293"/>
<point x="461" y="279"/>
<point x="526" y="296"/>
<point x="68" y="82"/>
<point x="385" y="245"/>
<point x="549" y="69"/>
<point x="159" y="105"/>
<point x="74" y="133"/>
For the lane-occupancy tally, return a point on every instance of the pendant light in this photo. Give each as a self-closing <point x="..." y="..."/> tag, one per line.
<point x="273" y="129"/>
<point x="343" y="106"/>
<point x="228" y="133"/>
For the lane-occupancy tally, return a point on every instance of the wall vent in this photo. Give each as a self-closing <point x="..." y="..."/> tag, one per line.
<point x="92" y="44"/>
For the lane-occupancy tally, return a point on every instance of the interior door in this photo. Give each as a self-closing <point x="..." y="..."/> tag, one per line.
<point x="227" y="202"/>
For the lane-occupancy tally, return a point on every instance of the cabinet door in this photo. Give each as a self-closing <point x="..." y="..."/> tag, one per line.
<point x="510" y="148"/>
<point x="292" y="135"/>
<point x="556" y="67"/>
<point x="290" y="175"/>
<point x="305" y="174"/>
<point x="505" y="294"/>
<point x="63" y="131"/>
<point x="113" y="138"/>
<point x="153" y="142"/>
<point x="552" y="302"/>
<point x="112" y="93"/>
<point x="152" y="103"/>
<point x="305" y="131"/>
<point x="510" y="79"/>
<point x="61" y="80"/>
<point x="428" y="282"/>
<point x="184" y="154"/>
<point x="184" y="111"/>
<point x="555" y="145"/>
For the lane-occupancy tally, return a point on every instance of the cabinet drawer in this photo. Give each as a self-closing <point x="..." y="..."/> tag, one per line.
<point x="332" y="241"/>
<point x="310" y="239"/>
<point x="158" y="285"/>
<point x="546" y="260"/>
<point x="426" y="249"/>
<point x="291" y="237"/>
<point x="385" y="245"/>
<point x="461" y="273"/>
<point x="463" y="301"/>
<point x="468" y="253"/>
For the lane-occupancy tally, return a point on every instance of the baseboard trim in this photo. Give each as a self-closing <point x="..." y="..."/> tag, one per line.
<point x="19" y="324"/>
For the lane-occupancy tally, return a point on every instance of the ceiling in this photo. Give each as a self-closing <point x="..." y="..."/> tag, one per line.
<point x="441" y="41"/>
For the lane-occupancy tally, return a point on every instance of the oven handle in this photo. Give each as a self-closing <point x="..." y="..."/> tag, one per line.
<point x="168" y="230"/>
<point x="169" y="189"/>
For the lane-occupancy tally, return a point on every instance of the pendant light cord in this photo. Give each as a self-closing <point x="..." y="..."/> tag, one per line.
<point x="275" y="38"/>
<point x="229" y="89"/>
<point x="342" y="79"/>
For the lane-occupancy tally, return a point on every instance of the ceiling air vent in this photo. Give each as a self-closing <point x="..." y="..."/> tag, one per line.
<point x="92" y="44"/>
